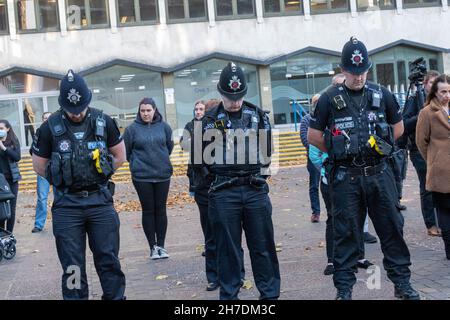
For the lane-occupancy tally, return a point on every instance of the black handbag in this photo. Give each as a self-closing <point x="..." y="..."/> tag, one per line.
<point x="5" y="197"/>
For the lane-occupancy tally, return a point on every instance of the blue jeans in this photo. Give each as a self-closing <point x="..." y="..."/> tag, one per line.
<point x="43" y="187"/>
<point x="314" y="179"/>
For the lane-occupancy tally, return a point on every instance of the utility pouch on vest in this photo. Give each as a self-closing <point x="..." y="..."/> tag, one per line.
<point x="106" y="164"/>
<point x="66" y="169"/>
<point x="338" y="149"/>
<point x="353" y="149"/>
<point x="111" y="187"/>
<point x="53" y="171"/>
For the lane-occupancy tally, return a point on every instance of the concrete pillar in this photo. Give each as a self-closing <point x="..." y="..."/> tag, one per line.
<point x="211" y="13"/>
<point x="162" y="13"/>
<point x="353" y="8"/>
<point x="444" y="5"/>
<point x="399" y="5"/>
<point x="62" y="17"/>
<point x="168" y="80"/>
<point x="446" y="62"/>
<point x="112" y="15"/>
<point x="259" y="11"/>
<point x="12" y="20"/>
<point x="307" y="10"/>
<point x="265" y="90"/>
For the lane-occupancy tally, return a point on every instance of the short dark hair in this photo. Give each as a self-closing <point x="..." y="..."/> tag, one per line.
<point x="431" y="74"/>
<point x="148" y="101"/>
<point x="44" y="114"/>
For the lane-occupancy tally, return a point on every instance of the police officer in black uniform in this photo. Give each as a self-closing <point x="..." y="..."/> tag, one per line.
<point x="361" y="121"/>
<point x="238" y="196"/>
<point x="77" y="150"/>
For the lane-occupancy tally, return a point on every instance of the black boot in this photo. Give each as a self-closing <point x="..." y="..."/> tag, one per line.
<point x="345" y="294"/>
<point x="446" y="238"/>
<point x="406" y="292"/>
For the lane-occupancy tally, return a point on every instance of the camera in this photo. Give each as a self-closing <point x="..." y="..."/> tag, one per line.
<point x="417" y="70"/>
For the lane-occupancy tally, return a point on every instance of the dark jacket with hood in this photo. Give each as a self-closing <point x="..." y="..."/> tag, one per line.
<point x="149" y="146"/>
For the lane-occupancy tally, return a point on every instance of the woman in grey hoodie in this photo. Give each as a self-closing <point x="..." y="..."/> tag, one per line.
<point x="149" y="143"/>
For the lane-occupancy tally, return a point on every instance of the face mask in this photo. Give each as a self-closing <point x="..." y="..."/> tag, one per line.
<point x="3" y="133"/>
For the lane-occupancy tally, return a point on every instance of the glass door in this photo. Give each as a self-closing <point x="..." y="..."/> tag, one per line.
<point x="9" y="110"/>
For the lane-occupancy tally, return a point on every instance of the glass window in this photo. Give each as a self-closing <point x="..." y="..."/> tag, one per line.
<point x="186" y="9"/>
<point x="117" y="90"/>
<point x="402" y="56"/>
<point x="136" y="11"/>
<point x="230" y="8"/>
<point x="324" y="6"/>
<point x="84" y="14"/>
<point x="296" y="80"/>
<point x="3" y="17"/>
<point x="19" y="82"/>
<point x="277" y="7"/>
<point x="199" y="82"/>
<point x="364" y="5"/>
<point x="37" y="15"/>
<point x="420" y="3"/>
<point x="385" y="74"/>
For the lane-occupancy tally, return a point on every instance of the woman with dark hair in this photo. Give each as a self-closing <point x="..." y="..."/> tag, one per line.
<point x="433" y="142"/>
<point x="9" y="157"/>
<point x="149" y="143"/>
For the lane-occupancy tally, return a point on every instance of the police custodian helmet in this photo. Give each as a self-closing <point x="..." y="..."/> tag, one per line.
<point x="232" y="83"/>
<point x="74" y="94"/>
<point x="354" y="57"/>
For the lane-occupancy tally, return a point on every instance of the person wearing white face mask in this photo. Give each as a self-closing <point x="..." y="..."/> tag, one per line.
<point x="9" y="157"/>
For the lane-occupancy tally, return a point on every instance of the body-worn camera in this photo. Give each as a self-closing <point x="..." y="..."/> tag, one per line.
<point x="417" y="70"/>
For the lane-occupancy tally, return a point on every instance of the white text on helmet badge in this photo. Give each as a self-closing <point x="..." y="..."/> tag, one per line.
<point x="73" y="96"/>
<point x="357" y="58"/>
<point x="235" y="83"/>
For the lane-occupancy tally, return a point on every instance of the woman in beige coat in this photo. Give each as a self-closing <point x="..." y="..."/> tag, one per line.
<point x="433" y="141"/>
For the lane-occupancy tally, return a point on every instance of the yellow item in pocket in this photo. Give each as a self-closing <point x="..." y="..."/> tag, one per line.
<point x="96" y="158"/>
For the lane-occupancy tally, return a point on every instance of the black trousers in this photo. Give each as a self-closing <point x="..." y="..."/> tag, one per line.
<point x="329" y="237"/>
<point x="400" y="159"/>
<point x="351" y="194"/>
<point x="245" y="208"/>
<point x="153" y="199"/>
<point x="74" y="217"/>
<point x="9" y="223"/>
<point x="426" y="197"/>
<point x="442" y="203"/>
<point x="201" y="198"/>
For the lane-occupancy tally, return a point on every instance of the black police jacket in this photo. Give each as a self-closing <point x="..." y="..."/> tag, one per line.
<point x="410" y="116"/>
<point x="71" y="165"/>
<point x="240" y="146"/>
<point x="352" y="126"/>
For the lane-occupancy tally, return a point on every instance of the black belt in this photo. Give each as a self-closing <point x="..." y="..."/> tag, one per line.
<point x="366" y="171"/>
<point x="83" y="193"/>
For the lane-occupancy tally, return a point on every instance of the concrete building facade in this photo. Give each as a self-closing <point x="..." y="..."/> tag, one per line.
<point x="174" y="50"/>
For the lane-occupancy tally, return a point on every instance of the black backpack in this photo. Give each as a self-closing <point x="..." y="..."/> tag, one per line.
<point x="5" y="197"/>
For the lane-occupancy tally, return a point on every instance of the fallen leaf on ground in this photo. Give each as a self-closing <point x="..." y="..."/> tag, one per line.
<point x="179" y="283"/>
<point x="247" y="285"/>
<point x="321" y="244"/>
<point x="35" y="251"/>
<point x="161" y="277"/>
<point x="200" y="247"/>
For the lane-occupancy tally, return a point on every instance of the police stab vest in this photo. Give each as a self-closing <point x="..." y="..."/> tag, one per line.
<point x="72" y="165"/>
<point x="240" y="141"/>
<point x="351" y="126"/>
